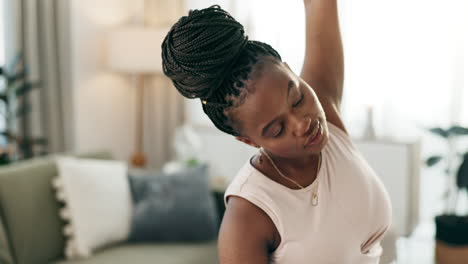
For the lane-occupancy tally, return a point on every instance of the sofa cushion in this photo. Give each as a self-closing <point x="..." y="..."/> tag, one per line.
<point x="30" y="211"/>
<point x="157" y="253"/>
<point x="98" y="204"/>
<point x="5" y="256"/>
<point x="163" y="202"/>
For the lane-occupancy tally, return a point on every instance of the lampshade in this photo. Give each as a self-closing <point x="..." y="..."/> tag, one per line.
<point x="135" y="49"/>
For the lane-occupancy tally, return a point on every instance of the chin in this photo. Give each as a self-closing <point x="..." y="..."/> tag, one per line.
<point x="323" y="140"/>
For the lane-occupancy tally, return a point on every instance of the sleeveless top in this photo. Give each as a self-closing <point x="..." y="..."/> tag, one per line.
<point x="346" y="226"/>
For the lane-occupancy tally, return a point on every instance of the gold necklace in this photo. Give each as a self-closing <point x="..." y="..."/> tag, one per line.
<point x="314" y="194"/>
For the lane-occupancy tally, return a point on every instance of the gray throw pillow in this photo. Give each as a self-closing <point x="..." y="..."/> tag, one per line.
<point x="173" y="207"/>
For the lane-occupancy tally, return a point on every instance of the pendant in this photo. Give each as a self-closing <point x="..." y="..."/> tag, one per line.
<point x="314" y="199"/>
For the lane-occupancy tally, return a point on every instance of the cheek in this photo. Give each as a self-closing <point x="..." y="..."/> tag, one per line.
<point x="314" y="104"/>
<point x="288" y="147"/>
<point x="308" y="92"/>
<point x="313" y="97"/>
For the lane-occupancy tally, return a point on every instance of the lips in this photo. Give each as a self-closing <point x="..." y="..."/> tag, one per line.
<point x="312" y="135"/>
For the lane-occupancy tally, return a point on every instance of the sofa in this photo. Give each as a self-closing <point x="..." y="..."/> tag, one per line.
<point x="31" y="229"/>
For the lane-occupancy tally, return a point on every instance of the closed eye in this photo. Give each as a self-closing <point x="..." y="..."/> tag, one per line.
<point x="279" y="133"/>
<point x="299" y="102"/>
<point x="294" y="105"/>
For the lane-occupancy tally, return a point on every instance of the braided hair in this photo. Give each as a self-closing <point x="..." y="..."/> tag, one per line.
<point x="207" y="55"/>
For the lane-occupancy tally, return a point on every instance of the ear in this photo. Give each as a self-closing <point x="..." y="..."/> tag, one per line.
<point x="247" y="141"/>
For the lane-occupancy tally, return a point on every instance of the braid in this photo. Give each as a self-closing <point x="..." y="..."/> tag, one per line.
<point x="207" y="55"/>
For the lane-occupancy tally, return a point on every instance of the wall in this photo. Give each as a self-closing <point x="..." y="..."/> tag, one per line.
<point x="103" y="102"/>
<point x="224" y="153"/>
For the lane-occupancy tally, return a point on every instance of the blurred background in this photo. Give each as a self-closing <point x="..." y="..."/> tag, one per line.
<point x="79" y="76"/>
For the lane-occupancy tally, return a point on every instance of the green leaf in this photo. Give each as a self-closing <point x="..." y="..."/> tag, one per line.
<point x="4" y="97"/>
<point x="23" y="89"/>
<point x="6" y="134"/>
<point x="458" y="130"/>
<point x="40" y="141"/>
<point x="192" y="162"/>
<point x="17" y="77"/>
<point x="26" y="88"/>
<point x="439" y="131"/>
<point x="14" y="64"/>
<point x="462" y="174"/>
<point x="433" y="160"/>
<point x="24" y="110"/>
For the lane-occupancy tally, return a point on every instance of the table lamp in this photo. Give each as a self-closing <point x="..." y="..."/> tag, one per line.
<point x="136" y="50"/>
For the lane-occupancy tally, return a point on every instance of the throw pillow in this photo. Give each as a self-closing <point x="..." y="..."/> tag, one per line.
<point x="28" y="209"/>
<point x="98" y="205"/>
<point x="176" y="206"/>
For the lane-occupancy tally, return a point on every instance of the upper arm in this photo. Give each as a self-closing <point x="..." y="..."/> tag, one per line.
<point x="323" y="62"/>
<point x="245" y="234"/>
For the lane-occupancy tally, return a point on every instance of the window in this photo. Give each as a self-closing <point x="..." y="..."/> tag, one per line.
<point x="2" y="41"/>
<point x="405" y="58"/>
<point x="396" y="54"/>
<point x="2" y="64"/>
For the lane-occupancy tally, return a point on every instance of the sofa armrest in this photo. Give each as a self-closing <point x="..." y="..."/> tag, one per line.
<point x="5" y="251"/>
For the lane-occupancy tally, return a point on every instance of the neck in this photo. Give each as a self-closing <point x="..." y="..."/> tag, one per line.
<point x="295" y="164"/>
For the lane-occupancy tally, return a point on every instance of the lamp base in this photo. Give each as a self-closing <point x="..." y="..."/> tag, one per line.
<point x="138" y="160"/>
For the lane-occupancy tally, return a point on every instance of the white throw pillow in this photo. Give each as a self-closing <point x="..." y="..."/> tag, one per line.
<point x="98" y="205"/>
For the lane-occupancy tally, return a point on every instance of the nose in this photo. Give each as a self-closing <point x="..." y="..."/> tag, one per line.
<point x="302" y="125"/>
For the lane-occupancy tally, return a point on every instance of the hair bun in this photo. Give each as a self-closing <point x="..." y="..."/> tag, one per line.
<point x="200" y="50"/>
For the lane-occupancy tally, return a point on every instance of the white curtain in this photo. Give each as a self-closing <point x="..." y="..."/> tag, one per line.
<point x="396" y="54"/>
<point x="38" y="29"/>
<point x="406" y="59"/>
<point x="164" y="107"/>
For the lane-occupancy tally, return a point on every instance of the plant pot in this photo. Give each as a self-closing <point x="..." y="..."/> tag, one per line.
<point x="451" y="239"/>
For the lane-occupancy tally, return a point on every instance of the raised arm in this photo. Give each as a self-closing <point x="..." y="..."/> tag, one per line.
<point x="323" y="63"/>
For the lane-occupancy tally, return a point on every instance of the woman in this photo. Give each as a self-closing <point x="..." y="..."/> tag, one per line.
<point x="307" y="196"/>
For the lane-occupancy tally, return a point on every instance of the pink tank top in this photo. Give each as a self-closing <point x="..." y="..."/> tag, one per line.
<point x="347" y="225"/>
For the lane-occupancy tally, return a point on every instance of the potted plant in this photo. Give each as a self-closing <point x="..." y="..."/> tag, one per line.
<point x="16" y="144"/>
<point x="452" y="228"/>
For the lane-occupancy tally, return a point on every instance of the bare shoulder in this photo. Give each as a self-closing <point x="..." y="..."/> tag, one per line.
<point x="246" y="234"/>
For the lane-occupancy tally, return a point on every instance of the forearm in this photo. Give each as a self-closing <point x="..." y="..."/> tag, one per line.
<point x="323" y="63"/>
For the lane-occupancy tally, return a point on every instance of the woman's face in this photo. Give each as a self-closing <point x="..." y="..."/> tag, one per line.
<point x="282" y="113"/>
